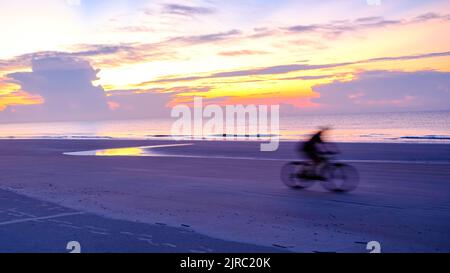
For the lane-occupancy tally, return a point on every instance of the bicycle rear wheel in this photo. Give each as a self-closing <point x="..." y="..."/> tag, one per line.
<point x="340" y="177"/>
<point x="291" y="175"/>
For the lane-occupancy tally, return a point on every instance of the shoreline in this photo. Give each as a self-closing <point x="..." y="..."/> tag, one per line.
<point x="244" y="200"/>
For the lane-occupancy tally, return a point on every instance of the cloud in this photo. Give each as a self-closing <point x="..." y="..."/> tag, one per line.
<point x="288" y="68"/>
<point x="60" y="88"/>
<point x="25" y="60"/>
<point x="305" y="78"/>
<point x="104" y="54"/>
<point x="65" y="85"/>
<point x="206" y="38"/>
<point x="128" y="105"/>
<point x="121" y="53"/>
<point x="174" y="90"/>
<point x="271" y="70"/>
<point x="408" y="57"/>
<point x="81" y="50"/>
<point x="340" y="27"/>
<point x="152" y="102"/>
<point x="100" y="49"/>
<point x="135" y="28"/>
<point x="17" y="97"/>
<point x="186" y="10"/>
<point x="429" y="16"/>
<point x="242" y="52"/>
<point x="387" y="91"/>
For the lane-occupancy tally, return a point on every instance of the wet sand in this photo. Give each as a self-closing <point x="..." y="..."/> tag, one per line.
<point x="232" y="192"/>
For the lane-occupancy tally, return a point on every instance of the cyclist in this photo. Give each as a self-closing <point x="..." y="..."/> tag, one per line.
<point x="315" y="150"/>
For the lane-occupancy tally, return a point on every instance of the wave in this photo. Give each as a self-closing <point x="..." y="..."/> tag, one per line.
<point x="371" y="137"/>
<point x="245" y="135"/>
<point x="216" y="136"/>
<point x="428" y="137"/>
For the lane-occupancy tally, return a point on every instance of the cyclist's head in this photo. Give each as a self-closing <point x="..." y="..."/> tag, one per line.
<point x="324" y="128"/>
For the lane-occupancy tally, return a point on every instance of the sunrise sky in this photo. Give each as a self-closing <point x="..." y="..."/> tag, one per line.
<point x="96" y="59"/>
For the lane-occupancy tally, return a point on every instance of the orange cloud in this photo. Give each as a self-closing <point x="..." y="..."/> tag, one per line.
<point x="18" y="98"/>
<point x="10" y="95"/>
<point x="113" y="105"/>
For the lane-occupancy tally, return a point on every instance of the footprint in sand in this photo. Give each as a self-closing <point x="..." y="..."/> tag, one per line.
<point x="169" y="245"/>
<point x="98" y="232"/>
<point x="127" y="233"/>
<point x="148" y="241"/>
<point x="196" y="251"/>
<point x="70" y="226"/>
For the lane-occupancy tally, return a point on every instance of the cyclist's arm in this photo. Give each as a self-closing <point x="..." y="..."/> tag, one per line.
<point x="329" y="148"/>
<point x="333" y="148"/>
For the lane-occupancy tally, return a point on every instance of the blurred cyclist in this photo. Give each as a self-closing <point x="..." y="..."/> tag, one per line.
<point x="315" y="149"/>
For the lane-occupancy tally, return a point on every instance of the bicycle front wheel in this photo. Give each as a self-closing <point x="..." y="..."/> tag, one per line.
<point x="340" y="177"/>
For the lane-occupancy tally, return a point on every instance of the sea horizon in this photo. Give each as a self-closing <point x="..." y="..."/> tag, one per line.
<point x="394" y="127"/>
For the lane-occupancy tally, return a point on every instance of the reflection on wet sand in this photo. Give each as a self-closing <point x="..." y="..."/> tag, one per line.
<point x="128" y="151"/>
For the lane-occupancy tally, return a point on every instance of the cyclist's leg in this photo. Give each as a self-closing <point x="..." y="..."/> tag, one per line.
<point x="321" y="160"/>
<point x="315" y="161"/>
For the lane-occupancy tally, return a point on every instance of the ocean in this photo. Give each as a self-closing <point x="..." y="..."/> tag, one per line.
<point x="423" y="127"/>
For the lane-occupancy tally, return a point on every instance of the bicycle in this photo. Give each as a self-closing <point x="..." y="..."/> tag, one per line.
<point x="334" y="176"/>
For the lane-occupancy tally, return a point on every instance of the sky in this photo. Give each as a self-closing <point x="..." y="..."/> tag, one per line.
<point x="99" y="59"/>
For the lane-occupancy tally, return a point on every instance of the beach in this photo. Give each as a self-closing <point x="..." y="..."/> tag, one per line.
<point x="231" y="192"/>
